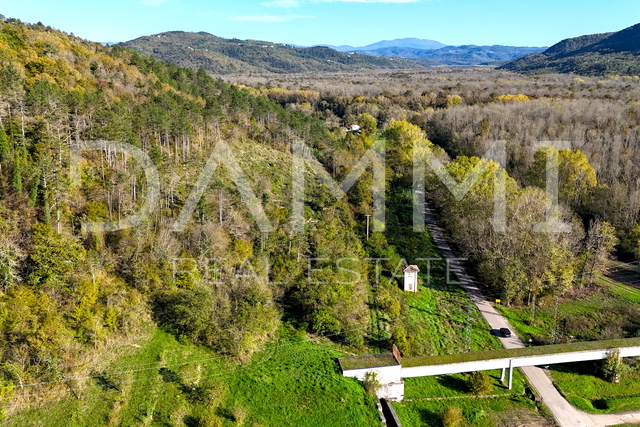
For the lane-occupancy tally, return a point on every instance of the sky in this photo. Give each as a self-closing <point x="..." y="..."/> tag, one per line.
<point x="335" y="22"/>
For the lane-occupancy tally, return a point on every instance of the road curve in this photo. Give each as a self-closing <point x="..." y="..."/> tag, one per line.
<point x="566" y="415"/>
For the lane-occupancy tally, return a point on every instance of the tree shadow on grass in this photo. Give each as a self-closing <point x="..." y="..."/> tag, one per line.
<point x="105" y="381"/>
<point x="190" y="421"/>
<point x="454" y="383"/>
<point x="169" y="376"/>
<point x="578" y="368"/>
<point x="429" y="418"/>
<point x="225" y="413"/>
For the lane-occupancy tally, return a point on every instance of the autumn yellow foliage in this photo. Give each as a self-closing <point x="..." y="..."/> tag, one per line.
<point x="513" y="98"/>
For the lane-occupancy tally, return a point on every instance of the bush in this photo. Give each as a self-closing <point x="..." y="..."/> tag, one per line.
<point x="371" y="383"/>
<point x="210" y="421"/>
<point x="451" y="416"/>
<point x="611" y="366"/>
<point x="187" y="313"/>
<point x="480" y="383"/>
<point x="239" y="415"/>
<point x="399" y="338"/>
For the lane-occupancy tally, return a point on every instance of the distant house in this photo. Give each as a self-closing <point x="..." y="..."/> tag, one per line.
<point x="353" y="128"/>
<point x="411" y="278"/>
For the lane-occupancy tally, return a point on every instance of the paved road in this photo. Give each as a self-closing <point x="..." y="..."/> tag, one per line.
<point x="563" y="411"/>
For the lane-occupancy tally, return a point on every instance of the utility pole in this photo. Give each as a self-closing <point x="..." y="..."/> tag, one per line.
<point x="220" y="206"/>
<point x="290" y="239"/>
<point x="367" y="226"/>
<point x="554" y="331"/>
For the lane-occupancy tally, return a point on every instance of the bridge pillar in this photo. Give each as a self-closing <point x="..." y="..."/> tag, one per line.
<point x="504" y="370"/>
<point x="510" y="373"/>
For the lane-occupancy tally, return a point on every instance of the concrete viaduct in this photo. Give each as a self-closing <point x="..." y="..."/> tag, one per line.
<point x="392" y="370"/>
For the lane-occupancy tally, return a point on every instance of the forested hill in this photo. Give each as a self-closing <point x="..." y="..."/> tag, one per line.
<point x="67" y="294"/>
<point x="224" y="56"/>
<point x="597" y="54"/>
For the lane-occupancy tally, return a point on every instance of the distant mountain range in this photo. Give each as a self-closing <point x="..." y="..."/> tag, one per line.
<point x="225" y="56"/>
<point x="597" y="54"/>
<point x="456" y="55"/>
<point x="397" y="43"/>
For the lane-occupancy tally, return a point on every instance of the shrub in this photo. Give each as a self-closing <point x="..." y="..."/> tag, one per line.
<point x="399" y="338"/>
<point x="451" y="416"/>
<point x="210" y="421"/>
<point x="611" y="366"/>
<point x="371" y="383"/>
<point x="239" y="415"/>
<point x="480" y="383"/>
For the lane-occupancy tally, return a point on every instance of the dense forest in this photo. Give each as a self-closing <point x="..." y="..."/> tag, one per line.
<point x="465" y="112"/>
<point x="68" y="292"/>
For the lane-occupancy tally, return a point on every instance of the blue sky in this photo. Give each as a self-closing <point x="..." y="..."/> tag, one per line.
<point x="352" y="22"/>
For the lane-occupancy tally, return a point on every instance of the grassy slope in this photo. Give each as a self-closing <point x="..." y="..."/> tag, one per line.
<point x="487" y="412"/>
<point x="590" y="393"/>
<point x="445" y="321"/>
<point x="490" y="411"/>
<point x="456" y="385"/>
<point x="598" y="303"/>
<point x="621" y="290"/>
<point x="441" y="322"/>
<point x="587" y="391"/>
<point x="293" y="383"/>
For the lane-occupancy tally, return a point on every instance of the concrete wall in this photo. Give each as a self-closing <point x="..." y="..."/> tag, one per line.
<point x="392" y="391"/>
<point x="485" y="365"/>
<point x="389" y="414"/>
<point x="386" y="374"/>
<point x="454" y="368"/>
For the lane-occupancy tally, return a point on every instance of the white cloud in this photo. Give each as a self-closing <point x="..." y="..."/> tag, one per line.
<point x="153" y="3"/>
<point x="268" y="18"/>
<point x="282" y="3"/>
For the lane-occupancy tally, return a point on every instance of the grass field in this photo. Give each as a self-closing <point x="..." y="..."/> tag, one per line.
<point x="487" y="412"/>
<point x="622" y="290"/>
<point x="440" y="318"/>
<point x="456" y="385"/>
<point x="607" y="311"/>
<point x="585" y="390"/>
<point x="293" y="383"/>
